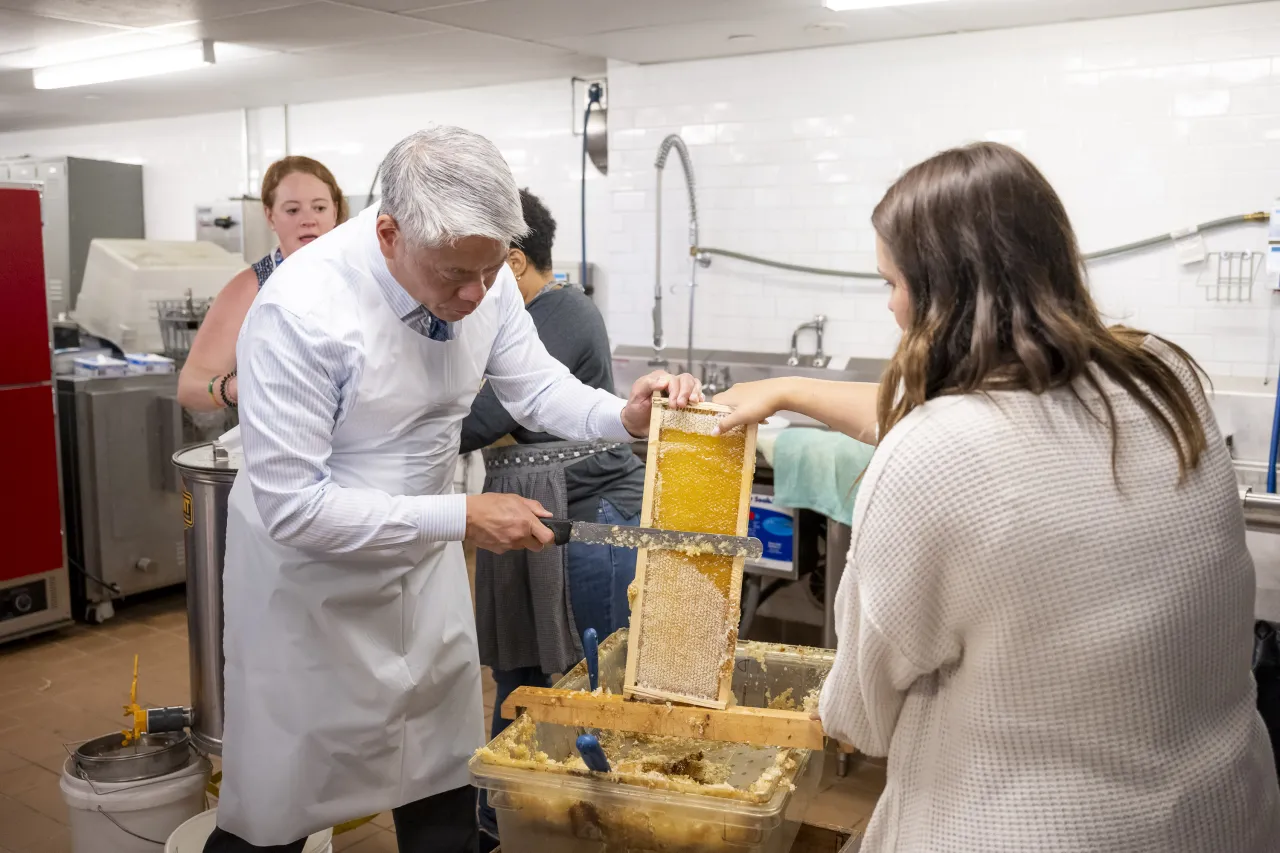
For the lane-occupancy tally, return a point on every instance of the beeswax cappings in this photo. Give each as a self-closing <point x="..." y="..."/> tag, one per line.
<point x="686" y="765"/>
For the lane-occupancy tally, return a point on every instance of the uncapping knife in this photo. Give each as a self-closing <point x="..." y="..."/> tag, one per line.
<point x="622" y="536"/>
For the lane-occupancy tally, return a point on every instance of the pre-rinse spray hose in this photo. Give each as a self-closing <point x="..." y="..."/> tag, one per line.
<point x="1150" y="242"/>
<point x="674" y="142"/>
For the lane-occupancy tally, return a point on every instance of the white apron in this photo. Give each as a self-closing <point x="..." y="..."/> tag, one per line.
<point x="352" y="682"/>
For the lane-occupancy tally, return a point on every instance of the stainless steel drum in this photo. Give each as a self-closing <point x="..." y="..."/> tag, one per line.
<point x="207" y="474"/>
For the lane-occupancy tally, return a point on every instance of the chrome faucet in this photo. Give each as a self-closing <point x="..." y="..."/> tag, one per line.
<point x="818" y="324"/>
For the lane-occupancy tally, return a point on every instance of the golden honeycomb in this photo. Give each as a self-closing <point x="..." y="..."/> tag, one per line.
<point x="688" y="623"/>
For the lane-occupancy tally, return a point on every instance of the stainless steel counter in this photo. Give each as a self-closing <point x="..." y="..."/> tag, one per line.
<point x="719" y="369"/>
<point x="122" y="497"/>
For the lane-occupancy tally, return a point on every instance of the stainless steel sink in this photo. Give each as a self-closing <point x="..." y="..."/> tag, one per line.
<point x="632" y="362"/>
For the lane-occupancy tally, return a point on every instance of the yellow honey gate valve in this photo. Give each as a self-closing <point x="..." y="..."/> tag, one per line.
<point x="174" y="718"/>
<point x="134" y="710"/>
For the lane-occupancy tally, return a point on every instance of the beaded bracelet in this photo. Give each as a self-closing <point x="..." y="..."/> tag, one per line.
<point x="222" y="390"/>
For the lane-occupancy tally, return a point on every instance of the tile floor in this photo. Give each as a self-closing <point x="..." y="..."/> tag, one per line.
<point x="69" y="686"/>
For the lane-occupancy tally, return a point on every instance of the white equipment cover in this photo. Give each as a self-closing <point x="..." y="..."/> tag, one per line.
<point x="123" y="279"/>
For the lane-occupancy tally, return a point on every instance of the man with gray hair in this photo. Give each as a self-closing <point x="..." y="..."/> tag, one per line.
<point x="352" y="681"/>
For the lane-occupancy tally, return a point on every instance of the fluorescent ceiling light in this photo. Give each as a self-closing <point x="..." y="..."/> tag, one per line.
<point x="850" y="5"/>
<point x="81" y="50"/>
<point x="146" y="63"/>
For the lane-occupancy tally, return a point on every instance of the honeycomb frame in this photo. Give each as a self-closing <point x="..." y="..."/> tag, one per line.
<point x="717" y="674"/>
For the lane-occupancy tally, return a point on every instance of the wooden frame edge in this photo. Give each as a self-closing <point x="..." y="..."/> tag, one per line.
<point x="759" y="726"/>
<point x="747" y="479"/>
<point x="642" y="555"/>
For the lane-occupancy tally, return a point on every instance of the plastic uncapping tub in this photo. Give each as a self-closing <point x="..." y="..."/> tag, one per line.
<point x="546" y="801"/>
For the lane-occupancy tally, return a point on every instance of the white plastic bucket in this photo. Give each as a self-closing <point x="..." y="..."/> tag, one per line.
<point x="132" y="817"/>
<point x="191" y="836"/>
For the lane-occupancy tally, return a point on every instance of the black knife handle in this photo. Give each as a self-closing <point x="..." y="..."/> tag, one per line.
<point x="561" y="528"/>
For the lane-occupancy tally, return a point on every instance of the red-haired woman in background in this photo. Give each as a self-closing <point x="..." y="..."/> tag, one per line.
<point x="302" y="202"/>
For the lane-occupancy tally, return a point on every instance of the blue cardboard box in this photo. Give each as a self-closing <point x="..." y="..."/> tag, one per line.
<point x="774" y="526"/>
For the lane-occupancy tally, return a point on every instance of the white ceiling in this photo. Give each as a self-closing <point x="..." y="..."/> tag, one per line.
<point x="293" y="51"/>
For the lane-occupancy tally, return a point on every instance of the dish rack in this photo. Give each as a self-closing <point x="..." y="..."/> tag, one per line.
<point x="179" y="320"/>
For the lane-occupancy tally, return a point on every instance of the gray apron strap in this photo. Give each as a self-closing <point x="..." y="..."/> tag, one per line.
<point x="524" y="615"/>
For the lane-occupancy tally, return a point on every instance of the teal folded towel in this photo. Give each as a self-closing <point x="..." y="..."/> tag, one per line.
<point x="816" y="469"/>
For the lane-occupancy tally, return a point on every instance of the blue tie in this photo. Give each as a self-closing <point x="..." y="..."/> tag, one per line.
<point x="425" y="323"/>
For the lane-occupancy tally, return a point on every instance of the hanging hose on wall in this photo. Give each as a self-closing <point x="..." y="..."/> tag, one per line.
<point x="1103" y="254"/>
<point x="1137" y="245"/>
<point x="594" y="95"/>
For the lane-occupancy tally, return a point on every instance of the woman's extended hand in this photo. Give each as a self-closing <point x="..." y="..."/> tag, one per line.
<point x="752" y="402"/>
<point x="847" y="407"/>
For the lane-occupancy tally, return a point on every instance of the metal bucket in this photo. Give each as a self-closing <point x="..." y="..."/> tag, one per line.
<point x="106" y="759"/>
<point x="129" y="799"/>
<point x="207" y="474"/>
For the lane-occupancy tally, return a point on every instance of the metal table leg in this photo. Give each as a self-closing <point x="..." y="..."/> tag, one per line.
<point x="751" y="587"/>
<point x="837" y="550"/>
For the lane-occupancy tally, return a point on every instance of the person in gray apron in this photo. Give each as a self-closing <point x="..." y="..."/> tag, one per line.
<point x="532" y="607"/>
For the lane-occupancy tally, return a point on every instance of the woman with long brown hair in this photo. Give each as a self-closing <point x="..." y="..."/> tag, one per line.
<point x="1046" y="621"/>
<point x="302" y="202"/>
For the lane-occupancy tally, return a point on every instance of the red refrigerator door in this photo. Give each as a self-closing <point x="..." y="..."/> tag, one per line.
<point x="31" y="525"/>
<point x="24" y="307"/>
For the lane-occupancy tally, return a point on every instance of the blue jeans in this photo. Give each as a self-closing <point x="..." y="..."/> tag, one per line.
<point x="598" y="579"/>
<point x="599" y="576"/>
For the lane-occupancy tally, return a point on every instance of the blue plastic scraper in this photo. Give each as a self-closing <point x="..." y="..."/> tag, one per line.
<point x="592" y="754"/>
<point x="591" y="650"/>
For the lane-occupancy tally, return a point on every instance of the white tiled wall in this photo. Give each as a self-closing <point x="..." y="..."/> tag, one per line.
<point x="185" y="161"/>
<point x="193" y="160"/>
<point x="1144" y="125"/>
<point x="532" y="124"/>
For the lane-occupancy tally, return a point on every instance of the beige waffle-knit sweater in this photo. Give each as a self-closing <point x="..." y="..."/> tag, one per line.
<point x="1052" y="663"/>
